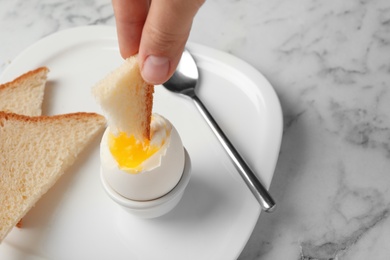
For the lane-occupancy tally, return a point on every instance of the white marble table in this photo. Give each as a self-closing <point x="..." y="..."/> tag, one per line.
<point x="329" y="62"/>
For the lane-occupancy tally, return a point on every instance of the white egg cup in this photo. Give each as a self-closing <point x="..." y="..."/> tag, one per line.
<point x="155" y="207"/>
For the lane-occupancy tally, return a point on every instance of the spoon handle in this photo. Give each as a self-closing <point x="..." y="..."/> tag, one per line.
<point x="261" y="194"/>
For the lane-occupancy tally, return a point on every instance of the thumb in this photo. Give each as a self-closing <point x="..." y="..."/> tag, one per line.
<point x="164" y="36"/>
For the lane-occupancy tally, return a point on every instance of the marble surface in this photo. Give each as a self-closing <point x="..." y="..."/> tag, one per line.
<point x="329" y="62"/>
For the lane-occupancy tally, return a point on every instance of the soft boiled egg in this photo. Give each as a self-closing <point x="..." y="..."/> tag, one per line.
<point x="147" y="170"/>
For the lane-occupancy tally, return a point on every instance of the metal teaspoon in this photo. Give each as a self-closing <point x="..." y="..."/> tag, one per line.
<point x="184" y="81"/>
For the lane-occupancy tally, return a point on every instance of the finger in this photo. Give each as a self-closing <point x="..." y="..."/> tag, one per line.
<point x="130" y="16"/>
<point x="164" y="36"/>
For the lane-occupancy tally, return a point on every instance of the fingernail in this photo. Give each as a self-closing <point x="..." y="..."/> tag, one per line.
<point x="155" y="69"/>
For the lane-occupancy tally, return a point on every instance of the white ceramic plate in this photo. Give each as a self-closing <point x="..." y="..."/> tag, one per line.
<point x="76" y="219"/>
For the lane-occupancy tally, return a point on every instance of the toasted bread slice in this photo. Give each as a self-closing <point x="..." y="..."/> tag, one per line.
<point x="34" y="153"/>
<point x="127" y="100"/>
<point x="24" y="95"/>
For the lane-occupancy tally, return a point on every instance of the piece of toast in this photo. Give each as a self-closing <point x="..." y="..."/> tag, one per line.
<point x="35" y="152"/>
<point x="24" y="95"/>
<point x="126" y="100"/>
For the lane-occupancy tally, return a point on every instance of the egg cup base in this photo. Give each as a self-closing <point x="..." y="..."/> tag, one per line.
<point x="156" y="207"/>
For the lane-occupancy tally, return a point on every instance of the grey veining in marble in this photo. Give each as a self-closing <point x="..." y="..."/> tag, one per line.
<point x="329" y="62"/>
<point x="24" y="22"/>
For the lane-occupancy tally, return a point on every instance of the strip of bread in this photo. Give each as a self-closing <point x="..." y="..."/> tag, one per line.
<point x="127" y="100"/>
<point x="24" y="95"/>
<point x="35" y="152"/>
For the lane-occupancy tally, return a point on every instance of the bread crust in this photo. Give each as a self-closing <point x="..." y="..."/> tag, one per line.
<point x="80" y="115"/>
<point x="25" y="76"/>
<point x="148" y="107"/>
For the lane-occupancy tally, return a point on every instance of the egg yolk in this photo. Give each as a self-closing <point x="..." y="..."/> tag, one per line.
<point x="129" y="152"/>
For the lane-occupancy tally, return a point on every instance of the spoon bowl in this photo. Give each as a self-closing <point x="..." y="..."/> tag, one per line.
<point x="185" y="81"/>
<point x="185" y="78"/>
